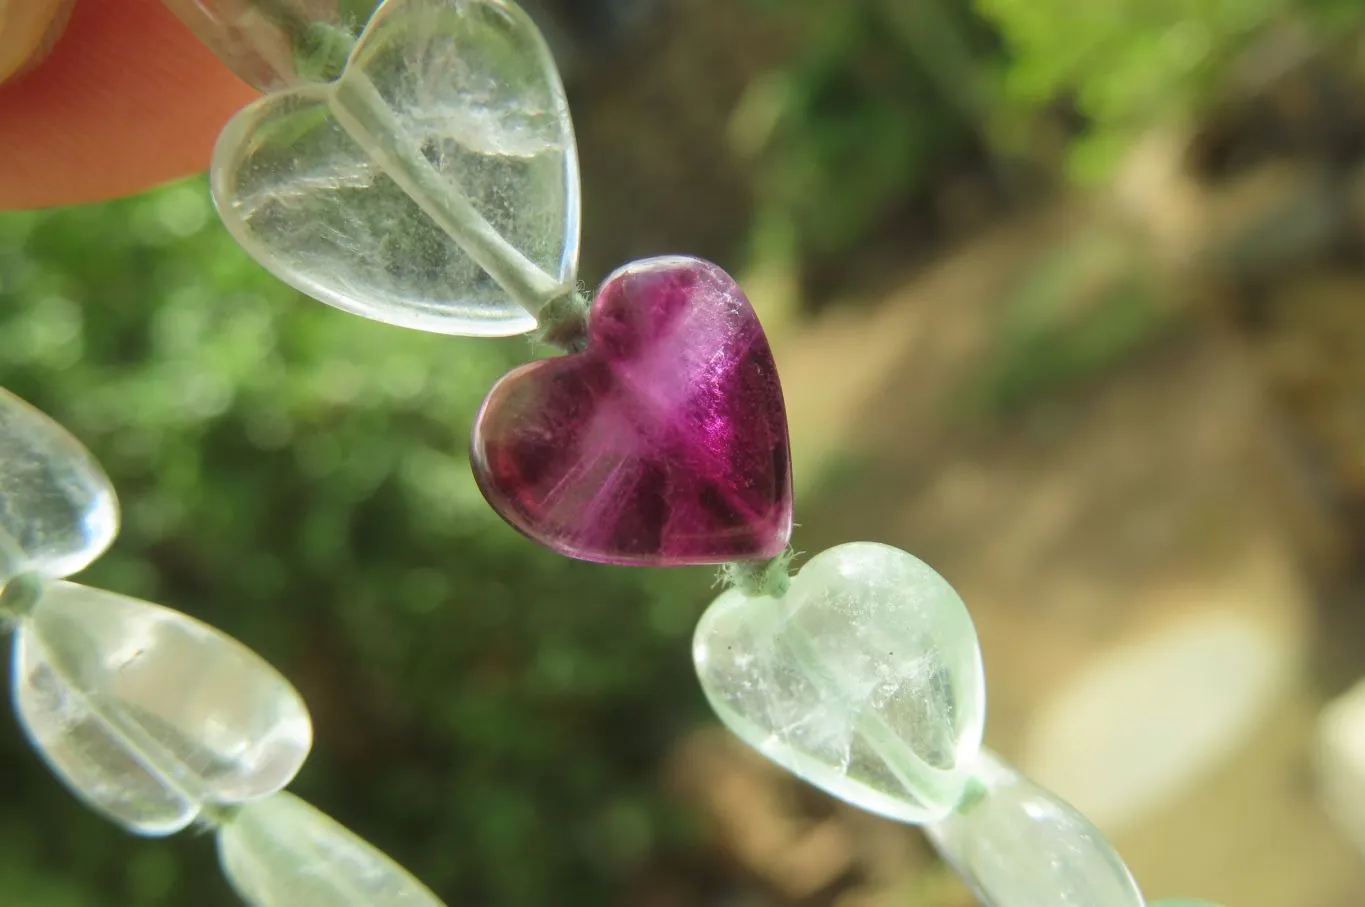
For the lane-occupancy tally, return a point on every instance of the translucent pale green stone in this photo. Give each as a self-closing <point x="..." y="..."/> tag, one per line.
<point x="864" y="679"/>
<point x="1017" y="845"/>
<point x="251" y="39"/>
<point x="433" y="186"/>
<point x="57" y="509"/>
<point x="149" y="715"/>
<point x="281" y="852"/>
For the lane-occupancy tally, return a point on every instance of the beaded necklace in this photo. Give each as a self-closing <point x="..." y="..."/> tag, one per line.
<point x="419" y="168"/>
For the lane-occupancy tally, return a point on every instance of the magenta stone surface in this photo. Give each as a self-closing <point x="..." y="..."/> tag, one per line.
<point x="663" y="443"/>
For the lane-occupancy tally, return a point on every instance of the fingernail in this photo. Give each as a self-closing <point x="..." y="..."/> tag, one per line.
<point x="28" y="30"/>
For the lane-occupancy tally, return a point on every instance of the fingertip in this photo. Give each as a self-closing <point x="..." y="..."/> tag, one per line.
<point x="128" y="99"/>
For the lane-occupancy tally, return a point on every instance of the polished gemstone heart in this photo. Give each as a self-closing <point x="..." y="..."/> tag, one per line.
<point x="57" y="509"/>
<point x="281" y="852"/>
<point x="664" y="442"/>
<point x="864" y="679"/>
<point x="1017" y="845"/>
<point x="149" y="715"/>
<point x="434" y="185"/>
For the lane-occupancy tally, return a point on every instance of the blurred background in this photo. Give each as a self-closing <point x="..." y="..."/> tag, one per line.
<point x="1068" y="299"/>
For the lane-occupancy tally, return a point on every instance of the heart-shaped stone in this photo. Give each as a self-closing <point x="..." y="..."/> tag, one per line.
<point x="663" y="443"/>
<point x="58" y="511"/>
<point x="281" y="852"/>
<point x="149" y="715"/>
<point x="864" y="679"/>
<point x="1017" y="845"/>
<point x="434" y="185"/>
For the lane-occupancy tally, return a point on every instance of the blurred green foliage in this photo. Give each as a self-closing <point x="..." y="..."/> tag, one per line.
<point x="884" y="95"/>
<point x="1075" y="313"/>
<point x="1127" y="63"/>
<point x="881" y="95"/>
<point x="487" y="712"/>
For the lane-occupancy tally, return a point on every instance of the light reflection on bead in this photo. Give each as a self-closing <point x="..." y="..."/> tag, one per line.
<point x="148" y="714"/>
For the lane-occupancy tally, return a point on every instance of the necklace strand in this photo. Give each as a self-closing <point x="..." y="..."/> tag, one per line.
<point x="658" y="440"/>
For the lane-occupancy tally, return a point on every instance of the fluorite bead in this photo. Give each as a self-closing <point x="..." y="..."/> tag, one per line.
<point x="268" y="46"/>
<point x="864" y="679"/>
<point x="149" y="715"/>
<point x="434" y="185"/>
<point x="664" y="442"/>
<point x="281" y="852"/>
<point x="57" y="509"/>
<point x="1017" y="845"/>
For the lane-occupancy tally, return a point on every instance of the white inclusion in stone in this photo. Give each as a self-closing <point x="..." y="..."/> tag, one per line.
<point x="1017" y="845"/>
<point x="864" y="679"/>
<point x="57" y="508"/>
<point x="281" y="852"/>
<point x="149" y="715"/>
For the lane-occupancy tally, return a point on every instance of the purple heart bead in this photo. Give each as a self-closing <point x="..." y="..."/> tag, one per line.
<point x="663" y="443"/>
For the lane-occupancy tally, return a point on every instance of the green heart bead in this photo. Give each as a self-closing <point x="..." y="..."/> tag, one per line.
<point x="1018" y="845"/>
<point x="148" y="715"/>
<point x="281" y="852"/>
<point x="864" y="679"/>
<point x="433" y="185"/>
